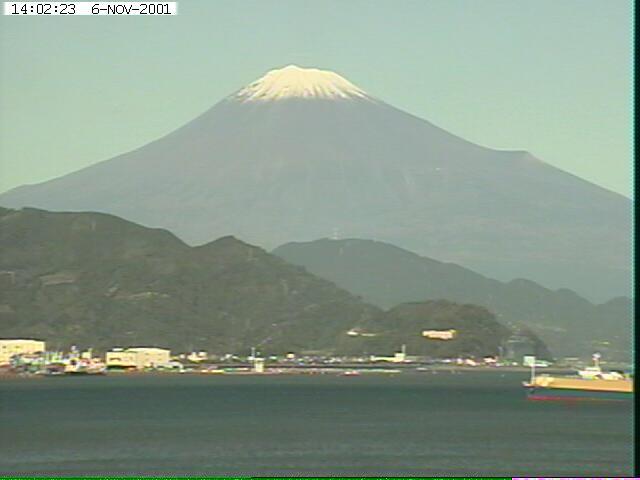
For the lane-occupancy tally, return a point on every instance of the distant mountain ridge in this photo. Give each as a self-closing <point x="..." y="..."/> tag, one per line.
<point x="96" y="280"/>
<point x="386" y="275"/>
<point x="301" y="153"/>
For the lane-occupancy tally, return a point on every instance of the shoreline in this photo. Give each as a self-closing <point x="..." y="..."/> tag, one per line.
<point x="338" y="370"/>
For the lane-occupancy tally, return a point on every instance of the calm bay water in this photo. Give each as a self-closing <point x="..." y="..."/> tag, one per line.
<point x="473" y="423"/>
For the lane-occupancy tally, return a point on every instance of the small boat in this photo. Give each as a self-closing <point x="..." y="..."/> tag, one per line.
<point x="54" y="370"/>
<point x="85" y="367"/>
<point x="212" y="370"/>
<point x="350" y="373"/>
<point x="384" y="370"/>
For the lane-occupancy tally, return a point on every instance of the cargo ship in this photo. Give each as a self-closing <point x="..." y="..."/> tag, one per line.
<point x="591" y="384"/>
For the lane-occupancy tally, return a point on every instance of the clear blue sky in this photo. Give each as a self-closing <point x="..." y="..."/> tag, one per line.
<point x="549" y="76"/>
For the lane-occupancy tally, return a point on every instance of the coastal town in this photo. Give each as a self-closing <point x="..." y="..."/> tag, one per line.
<point x="31" y="357"/>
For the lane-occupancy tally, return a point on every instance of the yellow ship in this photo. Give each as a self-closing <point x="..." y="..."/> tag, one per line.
<point x="546" y="387"/>
<point x="592" y="384"/>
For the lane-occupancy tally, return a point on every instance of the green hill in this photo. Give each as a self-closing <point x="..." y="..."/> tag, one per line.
<point x="95" y="279"/>
<point x="385" y="275"/>
<point x="477" y="333"/>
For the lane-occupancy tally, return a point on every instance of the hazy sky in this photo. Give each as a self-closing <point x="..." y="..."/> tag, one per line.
<point x="551" y="77"/>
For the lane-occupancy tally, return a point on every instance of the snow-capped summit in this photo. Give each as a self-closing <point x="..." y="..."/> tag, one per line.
<point x="293" y="81"/>
<point x="301" y="153"/>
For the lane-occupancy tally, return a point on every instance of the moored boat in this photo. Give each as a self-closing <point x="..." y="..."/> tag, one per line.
<point x="84" y="367"/>
<point x="601" y="386"/>
<point x="546" y="387"/>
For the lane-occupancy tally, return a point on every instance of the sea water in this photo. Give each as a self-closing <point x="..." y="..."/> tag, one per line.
<point x="407" y="424"/>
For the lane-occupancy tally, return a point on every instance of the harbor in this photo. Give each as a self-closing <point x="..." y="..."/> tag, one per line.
<point x="30" y="358"/>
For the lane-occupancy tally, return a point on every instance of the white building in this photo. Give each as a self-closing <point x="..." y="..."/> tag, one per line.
<point x="138" y="357"/>
<point x="11" y="347"/>
<point x="439" y="334"/>
<point x="398" y="357"/>
<point x="258" y="365"/>
<point x="354" y="332"/>
<point x="196" y="357"/>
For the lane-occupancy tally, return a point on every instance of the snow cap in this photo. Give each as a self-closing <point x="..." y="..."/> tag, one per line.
<point x="293" y="81"/>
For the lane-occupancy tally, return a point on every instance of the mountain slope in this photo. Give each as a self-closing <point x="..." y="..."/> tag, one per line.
<point x="386" y="275"/>
<point x="302" y="153"/>
<point x="97" y="280"/>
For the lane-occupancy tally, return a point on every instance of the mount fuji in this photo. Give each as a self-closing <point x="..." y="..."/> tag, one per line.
<point x="302" y="154"/>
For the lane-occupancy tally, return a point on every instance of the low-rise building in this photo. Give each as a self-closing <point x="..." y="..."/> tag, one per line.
<point x="354" y="332"/>
<point x="196" y="357"/>
<point x="138" y="357"/>
<point x="258" y="365"/>
<point x="120" y="358"/>
<point x="398" y="357"/>
<point x="19" y="346"/>
<point x="440" y="334"/>
<point x="151" y="356"/>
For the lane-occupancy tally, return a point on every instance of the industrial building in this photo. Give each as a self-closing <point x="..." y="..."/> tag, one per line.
<point x="11" y="347"/>
<point x="440" y="334"/>
<point x="398" y="357"/>
<point x="138" y="357"/>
